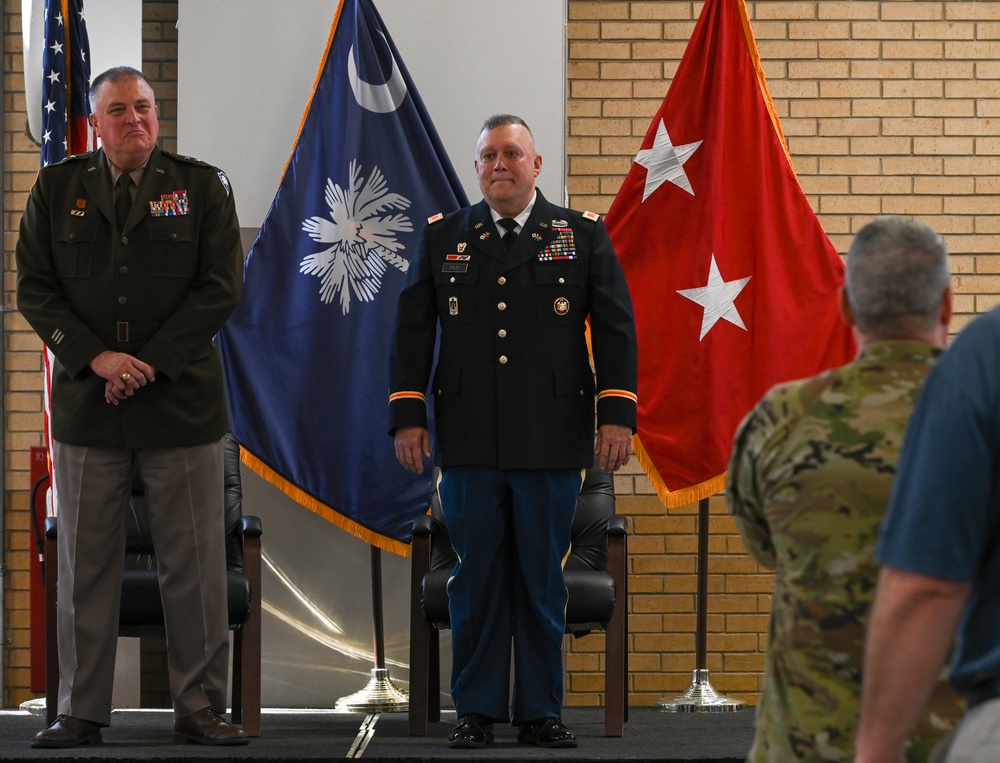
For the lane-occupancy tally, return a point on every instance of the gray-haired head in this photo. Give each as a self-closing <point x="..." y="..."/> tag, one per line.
<point x="498" y="120"/>
<point x="897" y="276"/>
<point x="114" y="74"/>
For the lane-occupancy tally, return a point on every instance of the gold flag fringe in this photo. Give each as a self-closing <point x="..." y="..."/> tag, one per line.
<point x="762" y="81"/>
<point x="316" y="81"/>
<point x="317" y="507"/>
<point x="674" y="498"/>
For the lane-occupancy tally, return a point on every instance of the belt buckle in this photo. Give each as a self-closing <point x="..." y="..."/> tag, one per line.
<point x="123" y="331"/>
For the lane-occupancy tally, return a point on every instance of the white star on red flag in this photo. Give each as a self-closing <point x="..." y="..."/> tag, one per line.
<point x="713" y="178"/>
<point x="717" y="297"/>
<point x="665" y="162"/>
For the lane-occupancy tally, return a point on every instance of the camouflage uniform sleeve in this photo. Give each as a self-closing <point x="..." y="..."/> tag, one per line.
<point x="745" y="494"/>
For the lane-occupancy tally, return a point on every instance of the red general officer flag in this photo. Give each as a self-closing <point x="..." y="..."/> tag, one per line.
<point x="733" y="279"/>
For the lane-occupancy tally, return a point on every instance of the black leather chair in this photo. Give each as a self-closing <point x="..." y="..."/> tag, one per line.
<point x="141" y="612"/>
<point x="596" y="579"/>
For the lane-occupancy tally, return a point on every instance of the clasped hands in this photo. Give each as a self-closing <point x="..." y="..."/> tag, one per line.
<point x="123" y="374"/>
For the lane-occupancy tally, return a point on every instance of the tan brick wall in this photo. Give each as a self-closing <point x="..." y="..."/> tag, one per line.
<point x="889" y="107"/>
<point x="22" y="369"/>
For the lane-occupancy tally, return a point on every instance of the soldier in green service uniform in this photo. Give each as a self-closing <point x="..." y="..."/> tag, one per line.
<point x="128" y="263"/>
<point x="808" y="483"/>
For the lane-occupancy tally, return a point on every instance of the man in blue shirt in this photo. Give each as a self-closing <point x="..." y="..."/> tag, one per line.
<point x="940" y="551"/>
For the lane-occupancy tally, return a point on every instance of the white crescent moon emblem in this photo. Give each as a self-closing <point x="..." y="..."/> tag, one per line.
<point x="381" y="99"/>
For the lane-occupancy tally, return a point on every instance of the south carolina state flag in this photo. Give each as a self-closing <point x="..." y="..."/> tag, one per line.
<point x="733" y="279"/>
<point x="306" y="352"/>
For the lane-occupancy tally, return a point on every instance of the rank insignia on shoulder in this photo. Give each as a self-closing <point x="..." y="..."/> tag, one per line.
<point x="593" y="216"/>
<point x="435" y="218"/>
<point x="225" y="181"/>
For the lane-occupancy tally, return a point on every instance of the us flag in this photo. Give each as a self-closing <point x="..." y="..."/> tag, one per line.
<point x="66" y="129"/>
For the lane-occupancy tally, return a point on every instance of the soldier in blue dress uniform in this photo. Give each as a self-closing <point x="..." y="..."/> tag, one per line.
<point x="511" y="283"/>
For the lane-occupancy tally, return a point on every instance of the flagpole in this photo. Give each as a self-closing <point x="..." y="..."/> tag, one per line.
<point x="381" y="694"/>
<point x="700" y="696"/>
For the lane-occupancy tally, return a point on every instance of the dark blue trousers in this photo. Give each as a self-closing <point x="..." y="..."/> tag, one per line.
<point x="511" y="531"/>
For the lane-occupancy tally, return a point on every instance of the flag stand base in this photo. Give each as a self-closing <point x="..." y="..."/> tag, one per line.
<point x="699" y="698"/>
<point x="379" y="696"/>
<point x="34" y="706"/>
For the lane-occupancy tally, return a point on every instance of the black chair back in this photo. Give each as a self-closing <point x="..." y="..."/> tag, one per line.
<point x="141" y="613"/>
<point x="591" y="588"/>
<point x="596" y="579"/>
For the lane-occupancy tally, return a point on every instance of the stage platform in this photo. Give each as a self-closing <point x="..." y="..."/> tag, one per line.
<point x="292" y="735"/>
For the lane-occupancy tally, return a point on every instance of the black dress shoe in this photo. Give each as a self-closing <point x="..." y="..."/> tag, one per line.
<point x="472" y="731"/>
<point x="208" y="727"/>
<point x="546" y="732"/>
<point x="67" y="731"/>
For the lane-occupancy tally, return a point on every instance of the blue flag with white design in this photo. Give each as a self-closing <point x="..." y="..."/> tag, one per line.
<point x="306" y="351"/>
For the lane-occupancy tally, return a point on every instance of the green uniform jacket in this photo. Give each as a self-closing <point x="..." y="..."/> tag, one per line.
<point x="159" y="291"/>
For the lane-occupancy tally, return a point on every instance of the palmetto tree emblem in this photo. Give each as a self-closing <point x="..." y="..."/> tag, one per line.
<point x="361" y="238"/>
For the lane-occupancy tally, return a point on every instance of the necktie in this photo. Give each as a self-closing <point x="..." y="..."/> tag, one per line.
<point x="508" y="224"/>
<point x="123" y="200"/>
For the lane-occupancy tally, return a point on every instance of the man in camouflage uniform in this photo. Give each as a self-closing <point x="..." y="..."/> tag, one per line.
<point x="808" y="484"/>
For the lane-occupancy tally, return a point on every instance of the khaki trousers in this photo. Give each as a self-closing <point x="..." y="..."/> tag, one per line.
<point x="184" y="496"/>
<point x="977" y="738"/>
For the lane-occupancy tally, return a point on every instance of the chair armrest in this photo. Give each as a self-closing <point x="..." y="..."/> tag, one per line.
<point x="250" y="526"/>
<point x="616" y="525"/>
<point x="423" y="526"/>
<point x="51" y="527"/>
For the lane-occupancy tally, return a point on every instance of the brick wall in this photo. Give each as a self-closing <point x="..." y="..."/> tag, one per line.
<point x="888" y="107"/>
<point x="159" y="63"/>
<point x="22" y="369"/>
